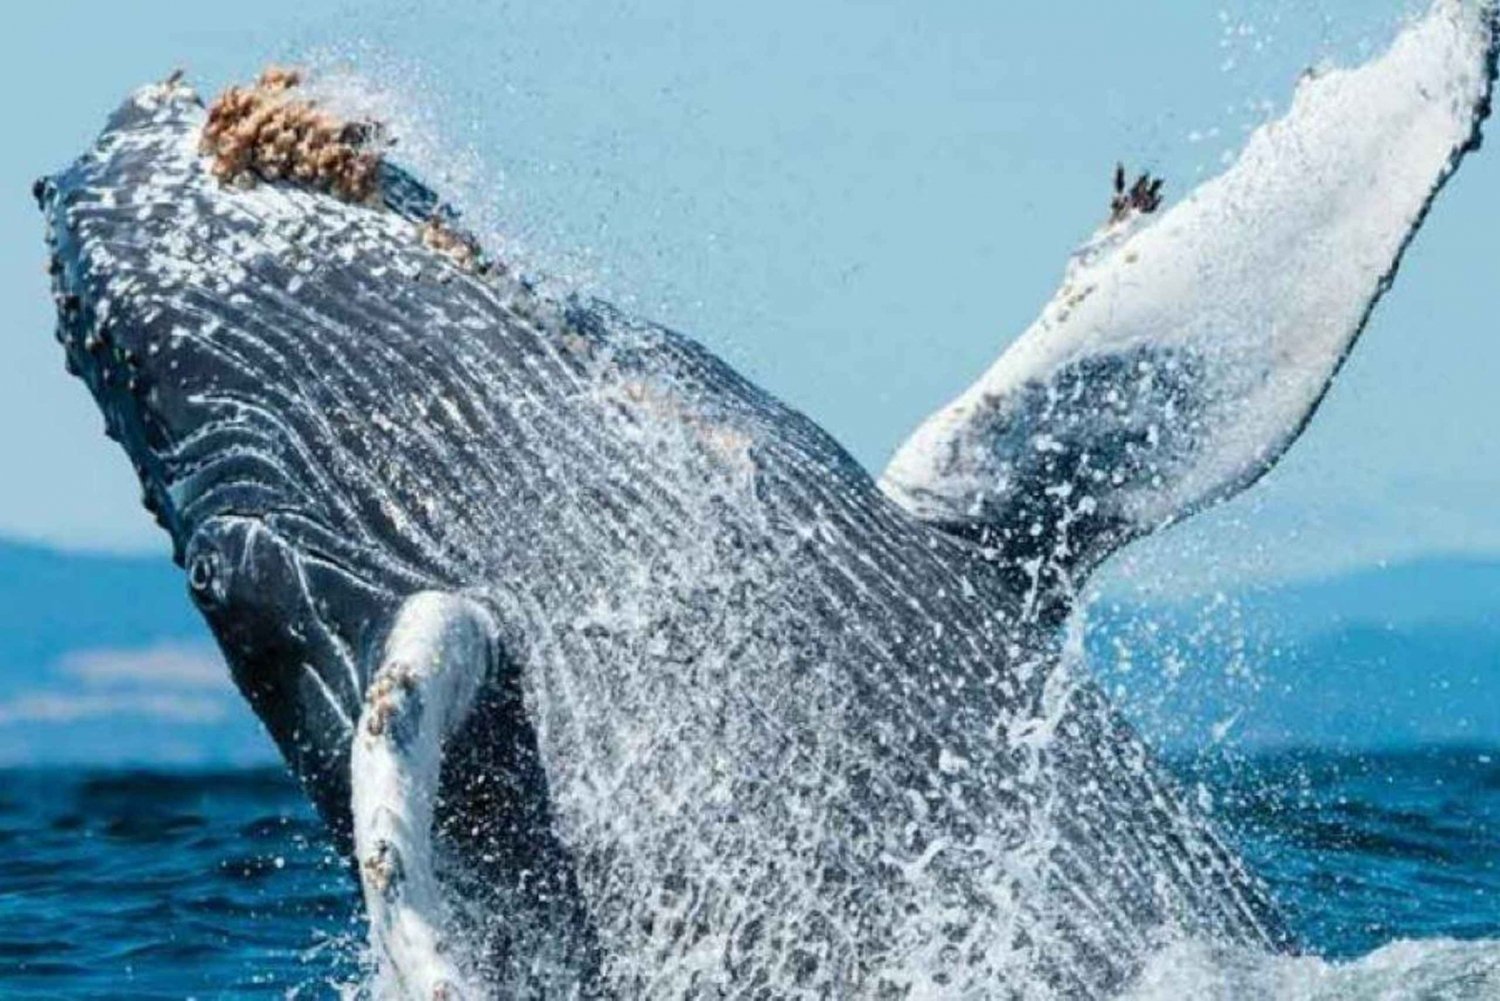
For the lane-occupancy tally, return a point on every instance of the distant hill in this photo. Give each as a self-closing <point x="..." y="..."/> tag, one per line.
<point x="104" y="660"/>
<point x="52" y="601"/>
<point x="1385" y="657"/>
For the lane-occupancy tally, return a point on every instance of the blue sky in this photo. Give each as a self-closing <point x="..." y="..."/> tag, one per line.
<point x="858" y="203"/>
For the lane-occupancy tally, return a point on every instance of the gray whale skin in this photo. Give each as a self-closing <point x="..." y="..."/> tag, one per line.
<point x="735" y="725"/>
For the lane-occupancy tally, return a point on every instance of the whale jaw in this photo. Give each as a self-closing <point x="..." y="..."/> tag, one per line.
<point x="191" y="386"/>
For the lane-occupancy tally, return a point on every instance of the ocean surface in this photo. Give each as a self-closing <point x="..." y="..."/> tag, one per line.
<point x="128" y="885"/>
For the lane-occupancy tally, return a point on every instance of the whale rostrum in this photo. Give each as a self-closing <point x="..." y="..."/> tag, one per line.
<point x="617" y="677"/>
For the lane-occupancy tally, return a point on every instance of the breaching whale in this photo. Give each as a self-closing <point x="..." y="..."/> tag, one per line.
<point x="616" y="676"/>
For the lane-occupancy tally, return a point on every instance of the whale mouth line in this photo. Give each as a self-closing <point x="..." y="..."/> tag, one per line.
<point x="239" y="563"/>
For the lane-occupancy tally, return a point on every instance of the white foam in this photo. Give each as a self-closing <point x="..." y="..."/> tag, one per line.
<point x="1437" y="969"/>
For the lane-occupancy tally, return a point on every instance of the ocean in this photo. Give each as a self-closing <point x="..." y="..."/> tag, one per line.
<point x="127" y="885"/>
<point x="170" y="885"/>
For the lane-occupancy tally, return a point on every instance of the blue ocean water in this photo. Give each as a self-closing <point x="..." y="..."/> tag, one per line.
<point x="222" y="884"/>
<point x="169" y="885"/>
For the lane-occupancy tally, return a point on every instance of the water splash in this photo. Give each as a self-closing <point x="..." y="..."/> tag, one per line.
<point x="1442" y="970"/>
<point x="361" y="83"/>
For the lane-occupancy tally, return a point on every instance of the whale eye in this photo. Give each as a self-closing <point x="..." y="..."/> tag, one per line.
<point x="203" y="577"/>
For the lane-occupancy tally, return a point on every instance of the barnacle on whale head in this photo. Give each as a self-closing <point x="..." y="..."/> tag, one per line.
<point x="269" y="131"/>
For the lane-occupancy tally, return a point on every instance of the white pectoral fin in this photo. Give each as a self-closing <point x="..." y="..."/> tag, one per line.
<point x="1185" y="353"/>
<point x="435" y="659"/>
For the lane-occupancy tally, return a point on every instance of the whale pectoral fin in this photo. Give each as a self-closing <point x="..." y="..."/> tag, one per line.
<point x="438" y="654"/>
<point x="1187" y="350"/>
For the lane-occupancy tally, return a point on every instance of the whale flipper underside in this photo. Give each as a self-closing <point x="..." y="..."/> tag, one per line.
<point x="443" y="695"/>
<point x="1185" y="352"/>
<point x="437" y="657"/>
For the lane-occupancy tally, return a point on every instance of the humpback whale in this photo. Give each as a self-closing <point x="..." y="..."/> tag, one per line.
<point x="617" y="677"/>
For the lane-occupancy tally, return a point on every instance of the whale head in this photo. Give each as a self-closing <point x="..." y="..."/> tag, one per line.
<point x="230" y="416"/>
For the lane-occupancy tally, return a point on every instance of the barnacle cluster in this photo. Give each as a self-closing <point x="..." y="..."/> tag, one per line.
<point x="1143" y="197"/>
<point x="269" y="132"/>
<point x="459" y="245"/>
